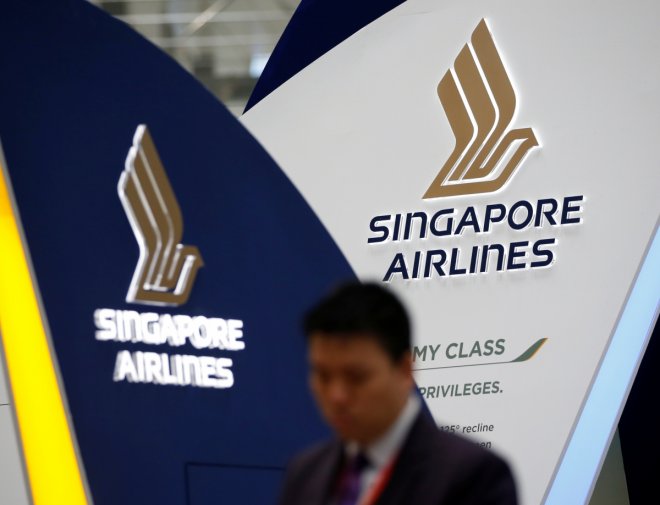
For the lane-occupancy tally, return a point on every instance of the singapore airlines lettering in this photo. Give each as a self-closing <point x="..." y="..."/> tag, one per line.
<point x="480" y="103"/>
<point x="164" y="275"/>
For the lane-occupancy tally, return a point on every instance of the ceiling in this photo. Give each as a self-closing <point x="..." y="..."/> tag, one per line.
<point x="224" y="43"/>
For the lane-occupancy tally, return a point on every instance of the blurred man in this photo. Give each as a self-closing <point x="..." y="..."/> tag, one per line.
<point x="388" y="450"/>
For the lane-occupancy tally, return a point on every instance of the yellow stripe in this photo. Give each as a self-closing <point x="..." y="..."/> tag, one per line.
<point x="52" y="466"/>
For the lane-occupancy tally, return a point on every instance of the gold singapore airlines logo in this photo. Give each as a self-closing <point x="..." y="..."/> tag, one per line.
<point x="480" y="103"/>
<point x="166" y="269"/>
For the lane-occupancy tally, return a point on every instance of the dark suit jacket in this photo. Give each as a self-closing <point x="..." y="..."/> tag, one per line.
<point x="433" y="468"/>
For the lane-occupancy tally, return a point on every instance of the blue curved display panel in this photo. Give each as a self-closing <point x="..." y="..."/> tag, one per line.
<point x="77" y="85"/>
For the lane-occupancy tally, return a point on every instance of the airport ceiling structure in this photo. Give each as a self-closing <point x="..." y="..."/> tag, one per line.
<point x="223" y="43"/>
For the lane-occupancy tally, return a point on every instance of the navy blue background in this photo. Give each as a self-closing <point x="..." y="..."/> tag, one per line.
<point x="75" y="86"/>
<point x="316" y="27"/>
<point x="208" y="484"/>
<point x="638" y="427"/>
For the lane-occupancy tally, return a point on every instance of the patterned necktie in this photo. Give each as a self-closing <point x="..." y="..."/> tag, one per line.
<point x="348" y="490"/>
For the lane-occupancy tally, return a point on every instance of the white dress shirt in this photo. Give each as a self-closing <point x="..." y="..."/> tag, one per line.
<point x="381" y="452"/>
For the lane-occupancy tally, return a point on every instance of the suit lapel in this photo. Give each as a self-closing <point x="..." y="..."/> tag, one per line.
<point x="320" y="486"/>
<point x="412" y="455"/>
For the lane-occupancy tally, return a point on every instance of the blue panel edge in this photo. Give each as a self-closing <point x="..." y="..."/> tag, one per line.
<point x="573" y="482"/>
<point x="316" y="27"/>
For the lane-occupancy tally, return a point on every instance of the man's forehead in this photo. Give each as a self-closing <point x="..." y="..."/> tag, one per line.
<point x="343" y="336"/>
<point x="345" y="340"/>
<point x="348" y="345"/>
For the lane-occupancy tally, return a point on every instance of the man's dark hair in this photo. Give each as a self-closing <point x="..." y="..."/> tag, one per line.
<point x="362" y="308"/>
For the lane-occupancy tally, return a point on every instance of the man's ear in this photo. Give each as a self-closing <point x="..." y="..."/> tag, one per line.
<point x="406" y="364"/>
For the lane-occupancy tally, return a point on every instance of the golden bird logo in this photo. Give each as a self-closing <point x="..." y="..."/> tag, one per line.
<point x="480" y="102"/>
<point x="166" y="269"/>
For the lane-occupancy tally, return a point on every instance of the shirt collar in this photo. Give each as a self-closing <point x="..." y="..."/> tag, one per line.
<point x="384" y="449"/>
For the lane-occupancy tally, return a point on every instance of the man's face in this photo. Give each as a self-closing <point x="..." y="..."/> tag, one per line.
<point x="359" y="389"/>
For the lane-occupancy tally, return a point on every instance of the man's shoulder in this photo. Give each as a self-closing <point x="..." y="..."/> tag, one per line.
<point x="309" y="473"/>
<point x="314" y="453"/>
<point x="447" y="464"/>
<point x="467" y="453"/>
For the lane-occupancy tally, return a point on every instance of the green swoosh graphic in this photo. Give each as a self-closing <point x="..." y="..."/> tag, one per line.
<point x="529" y="353"/>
